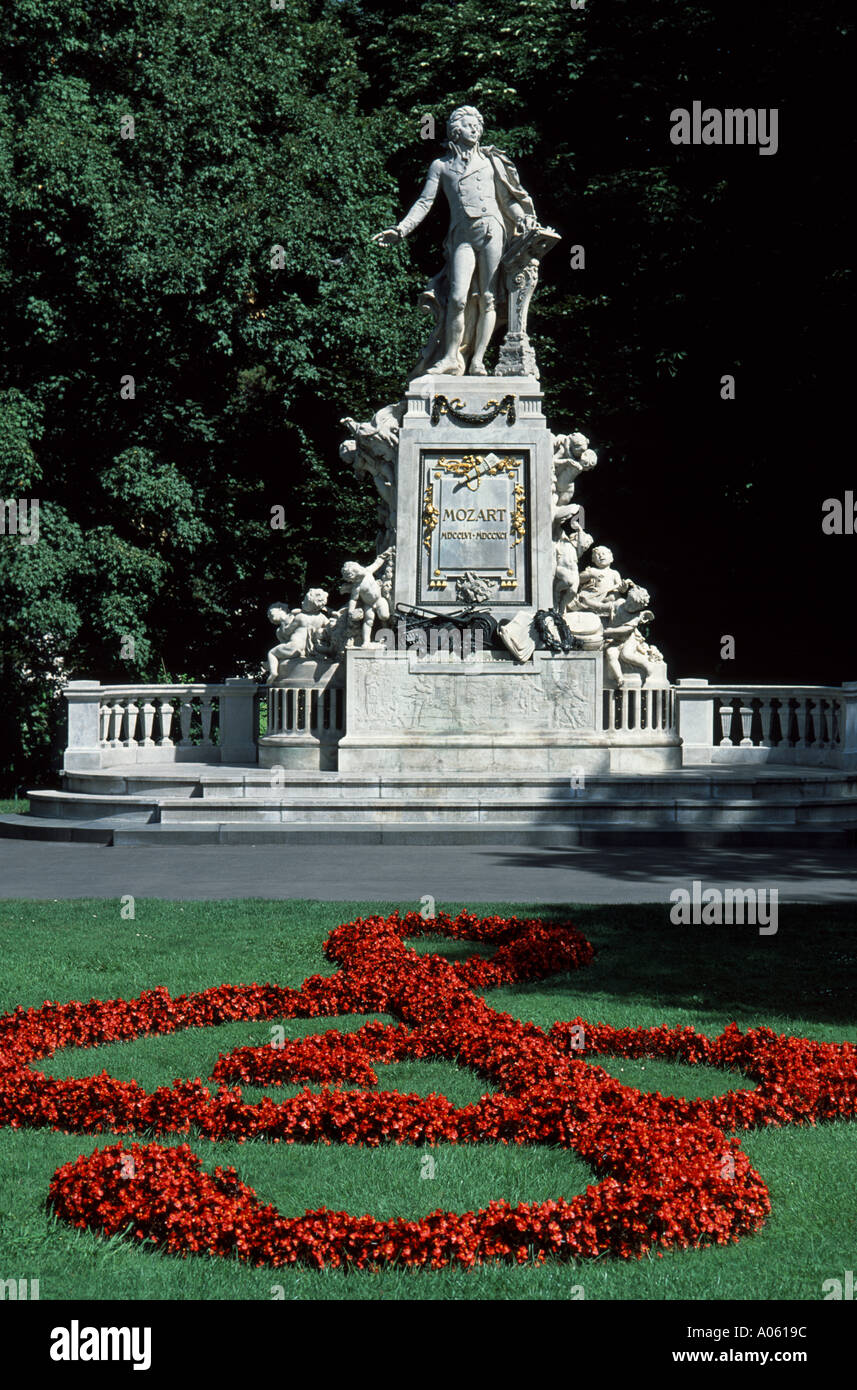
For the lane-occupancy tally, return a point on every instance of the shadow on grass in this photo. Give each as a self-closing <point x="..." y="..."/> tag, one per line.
<point x="807" y="969"/>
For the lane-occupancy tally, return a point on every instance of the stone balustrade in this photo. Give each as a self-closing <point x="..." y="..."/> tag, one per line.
<point x="631" y="711"/>
<point x="306" y="717"/>
<point x="111" y="725"/>
<point x="798" y="724"/>
<point x="318" y="710"/>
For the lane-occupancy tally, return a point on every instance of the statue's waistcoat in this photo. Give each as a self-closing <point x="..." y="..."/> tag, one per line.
<point x="476" y="191"/>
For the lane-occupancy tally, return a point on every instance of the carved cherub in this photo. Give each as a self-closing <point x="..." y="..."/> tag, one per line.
<point x="570" y="542"/>
<point x="571" y="457"/>
<point x="601" y="586"/>
<point x="623" y="644"/>
<point x="365" y="593"/>
<point x="295" y="629"/>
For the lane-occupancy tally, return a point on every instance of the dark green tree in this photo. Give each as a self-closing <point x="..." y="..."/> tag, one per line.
<point x="268" y="137"/>
<point x="187" y="191"/>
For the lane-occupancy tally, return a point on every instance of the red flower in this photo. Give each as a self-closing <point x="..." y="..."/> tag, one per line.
<point x="669" y="1176"/>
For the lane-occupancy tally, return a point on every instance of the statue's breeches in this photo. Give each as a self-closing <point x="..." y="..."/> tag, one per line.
<point x="479" y="232"/>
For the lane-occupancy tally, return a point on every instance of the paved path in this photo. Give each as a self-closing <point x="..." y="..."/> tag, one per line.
<point x="405" y="874"/>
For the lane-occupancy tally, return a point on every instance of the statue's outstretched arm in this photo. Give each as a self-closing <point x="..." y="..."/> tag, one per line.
<point x="421" y="207"/>
<point x="424" y="202"/>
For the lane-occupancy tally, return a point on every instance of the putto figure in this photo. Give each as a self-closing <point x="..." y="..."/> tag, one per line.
<point x="488" y="209"/>
<point x="367" y="599"/>
<point x="296" y="629"/>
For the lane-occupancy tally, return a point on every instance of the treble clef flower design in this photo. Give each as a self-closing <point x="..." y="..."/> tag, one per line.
<point x="667" y="1176"/>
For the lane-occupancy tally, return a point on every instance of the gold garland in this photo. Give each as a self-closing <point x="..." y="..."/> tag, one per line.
<point x="469" y="468"/>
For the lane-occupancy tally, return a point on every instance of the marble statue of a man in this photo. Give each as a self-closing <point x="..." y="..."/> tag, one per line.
<point x="488" y="208"/>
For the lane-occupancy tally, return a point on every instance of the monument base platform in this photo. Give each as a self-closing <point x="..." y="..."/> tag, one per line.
<point x="492" y="716"/>
<point x="220" y="804"/>
<point x="445" y="760"/>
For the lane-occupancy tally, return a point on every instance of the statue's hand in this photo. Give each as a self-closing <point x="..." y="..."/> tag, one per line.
<point x="388" y="236"/>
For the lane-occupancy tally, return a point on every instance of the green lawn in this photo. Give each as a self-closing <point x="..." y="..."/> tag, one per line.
<point x="10" y="807"/>
<point x="802" y="981"/>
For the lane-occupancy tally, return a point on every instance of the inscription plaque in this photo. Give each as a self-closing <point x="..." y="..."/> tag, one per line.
<point x="474" y="522"/>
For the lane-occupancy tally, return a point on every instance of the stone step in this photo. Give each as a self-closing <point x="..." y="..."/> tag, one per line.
<point x="129" y="830"/>
<point x="346" y="798"/>
<point x="14" y="827"/>
<point x="322" y="788"/>
<point x="215" y="804"/>
<point x="498" y="833"/>
<point x="618" y="811"/>
<point x="81" y="806"/>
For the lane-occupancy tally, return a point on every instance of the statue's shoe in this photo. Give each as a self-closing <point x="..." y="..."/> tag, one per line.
<point x="444" y="368"/>
<point x="479" y="370"/>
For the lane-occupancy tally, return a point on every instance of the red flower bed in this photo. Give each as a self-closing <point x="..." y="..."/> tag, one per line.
<point x="668" y="1175"/>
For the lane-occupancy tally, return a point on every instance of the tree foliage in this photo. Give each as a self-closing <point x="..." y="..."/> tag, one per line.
<point x="265" y="135"/>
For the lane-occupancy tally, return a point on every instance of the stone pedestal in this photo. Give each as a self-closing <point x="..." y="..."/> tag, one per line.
<point x="83" y="744"/>
<point x="474" y="495"/>
<point x="306" y="716"/>
<point x="239" y="720"/>
<point x="447" y="716"/>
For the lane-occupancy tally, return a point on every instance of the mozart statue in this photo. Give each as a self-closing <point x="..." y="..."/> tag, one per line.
<point x="490" y="216"/>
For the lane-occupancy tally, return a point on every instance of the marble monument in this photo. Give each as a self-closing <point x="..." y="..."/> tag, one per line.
<point x="478" y="526"/>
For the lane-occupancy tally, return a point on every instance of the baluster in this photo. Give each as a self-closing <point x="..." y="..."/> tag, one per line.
<point x="148" y="719"/>
<point x="809" y="732"/>
<point x="104" y="714"/>
<point x="117" y="724"/>
<point x="206" y="712"/>
<point x="835" y="734"/>
<point x="746" y="722"/>
<point x="766" y="714"/>
<point x="801" y="713"/>
<point x="820" y="722"/>
<point x="185" y="714"/>
<point x="131" y="712"/>
<point x="725" y="712"/>
<point x="166" y="713"/>
<point x="313" y="711"/>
